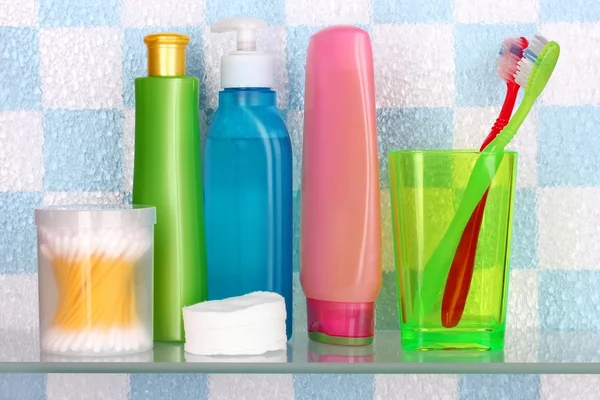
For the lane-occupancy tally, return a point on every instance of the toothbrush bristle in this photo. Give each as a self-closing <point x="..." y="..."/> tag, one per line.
<point x="510" y="55"/>
<point x="530" y="55"/>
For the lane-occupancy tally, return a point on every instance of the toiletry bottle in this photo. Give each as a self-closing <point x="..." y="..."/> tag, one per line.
<point x="248" y="177"/>
<point x="167" y="175"/>
<point x="340" y="233"/>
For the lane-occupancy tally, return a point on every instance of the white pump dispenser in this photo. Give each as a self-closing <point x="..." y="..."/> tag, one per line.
<point x="246" y="67"/>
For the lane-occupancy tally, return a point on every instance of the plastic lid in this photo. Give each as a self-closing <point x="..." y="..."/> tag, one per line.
<point x="95" y="216"/>
<point x="340" y="323"/>
<point x="246" y="67"/>
<point x="166" y="53"/>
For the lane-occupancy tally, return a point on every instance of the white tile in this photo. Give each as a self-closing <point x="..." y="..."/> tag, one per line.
<point x="568" y="228"/>
<point x="416" y="387"/>
<point x="163" y="12"/>
<point x="472" y="125"/>
<point x="295" y="125"/>
<point x="271" y="40"/>
<point x="560" y="387"/>
<point x="19" y="305"/>
<point x="65" y="198"/>
<point x="576" y="79"/>
<point x="21" y="159"/>
<point x="81" y="68"/>
<point x="495" y="12"/>
<point x="328" y="12"/>
<point x="274" y="41"/>
<point x="409" y="75"/>
<point x="87" y="386"/>
<point x="522" y="312"/>
<point x="521" y="345"/>
<point x="249" y="387"/>
<point x="214" y="46"/>
<point x="18" y="12"/>
<point x="128" y="147"/>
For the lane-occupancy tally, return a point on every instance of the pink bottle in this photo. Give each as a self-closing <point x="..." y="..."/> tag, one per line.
<point x="340" y="231"/>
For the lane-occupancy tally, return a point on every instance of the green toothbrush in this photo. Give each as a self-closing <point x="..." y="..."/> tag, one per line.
<point x="533" y="74"/>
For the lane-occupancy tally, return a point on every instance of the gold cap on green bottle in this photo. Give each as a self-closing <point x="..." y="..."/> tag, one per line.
<point x="166" y="54"/>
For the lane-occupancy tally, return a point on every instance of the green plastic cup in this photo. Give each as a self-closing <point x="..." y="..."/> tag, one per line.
<point x="427" y="188"/>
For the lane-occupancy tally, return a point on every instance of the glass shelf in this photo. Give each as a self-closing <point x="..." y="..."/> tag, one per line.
<point x="526" y="352"/>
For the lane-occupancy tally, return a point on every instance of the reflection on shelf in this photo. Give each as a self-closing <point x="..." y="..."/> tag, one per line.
<point x="145" y="357"/>
<point x="279" y="356"/>
<point x="462" y="356"/>
<point x="328" y="353"/>
<point x="525" y="352"/>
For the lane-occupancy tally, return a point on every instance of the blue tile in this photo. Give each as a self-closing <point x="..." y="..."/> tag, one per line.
<point x="83" y="150"/>
<point x="569" y="300"/>
<point x="272" y="11"/>
<point x="568" y="146"/>
<point x="299" y="306"/>
<point x="386" y="308"/>
<point x="168" y="387"/>
<point x="559" y="347"/>
<point x="297" y="44"/>
<point x="53" y="13"/>
<point x="18" y="238"/>
<point x="135" y="57"/>
<point x="333" y="387"/>
<point x="499" y="387"/>
<point x="391" y="11"/>
<point x="412" y="128"/>
<point x="569" y="11"/>
<point x="525" y="230"/>
<point x="19" y="69"/>
<point x="476" y="52"/>
<point x="23" y="386"/>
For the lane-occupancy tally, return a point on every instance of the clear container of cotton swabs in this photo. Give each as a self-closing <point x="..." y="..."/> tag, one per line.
<point x="95" y="272"/>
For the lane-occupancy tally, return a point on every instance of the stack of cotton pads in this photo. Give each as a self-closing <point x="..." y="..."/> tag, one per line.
<point x="246" y="325"/>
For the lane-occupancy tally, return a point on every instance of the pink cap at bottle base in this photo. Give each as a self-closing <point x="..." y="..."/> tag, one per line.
<point x="348" y="324"/>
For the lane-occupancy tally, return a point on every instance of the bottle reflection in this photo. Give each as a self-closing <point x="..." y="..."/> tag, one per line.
<point x="328" y="353"/>
<point x="279" y="356"/>
<point x="454" y="356"/>
<point x="145" y="357"/>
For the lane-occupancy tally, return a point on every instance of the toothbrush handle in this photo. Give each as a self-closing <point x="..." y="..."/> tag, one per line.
<point x="509" y="132"/>
<point x="461" y="270"/>
<point x="512" y="90"/>
<point x="437" y="268"/>
<point x="458" y="283"/>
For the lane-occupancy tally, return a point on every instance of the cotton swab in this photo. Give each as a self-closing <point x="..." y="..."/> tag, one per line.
<point x="96" y="310"/>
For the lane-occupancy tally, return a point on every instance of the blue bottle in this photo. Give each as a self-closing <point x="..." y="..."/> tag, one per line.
<point x="248" y="178"/>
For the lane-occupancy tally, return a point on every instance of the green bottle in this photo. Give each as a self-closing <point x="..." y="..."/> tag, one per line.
<point x="167" y="175"/>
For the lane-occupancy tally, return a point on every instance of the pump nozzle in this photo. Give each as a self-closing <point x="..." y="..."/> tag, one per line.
<point x="245" y="67"/>
<point x="245" y="28"/>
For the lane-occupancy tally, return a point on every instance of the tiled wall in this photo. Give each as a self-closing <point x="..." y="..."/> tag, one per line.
<point x="66" y="131"/>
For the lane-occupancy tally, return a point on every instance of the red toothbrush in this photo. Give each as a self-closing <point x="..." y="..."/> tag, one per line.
<point x="461" y="270"/>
